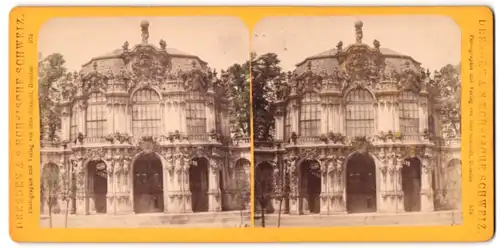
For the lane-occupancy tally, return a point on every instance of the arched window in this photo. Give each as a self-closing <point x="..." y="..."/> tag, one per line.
<point x="288" y="123"/>
<point x="310" y="117"/>
<point x="196" y="121"/>
<point x="408" y="113"/>
<point x="73" y="130"/>
<point x="146" y="114"/>
<point x="359" y="113"/>
<point x="96" y="115"/>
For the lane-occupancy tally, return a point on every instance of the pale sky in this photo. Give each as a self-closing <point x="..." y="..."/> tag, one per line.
<point x="431" y="40"/>
<point x="219" y="41"/>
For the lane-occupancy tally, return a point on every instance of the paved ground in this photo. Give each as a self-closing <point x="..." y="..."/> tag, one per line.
<point x="441" y="218"/>
<point x="156" y="220"/>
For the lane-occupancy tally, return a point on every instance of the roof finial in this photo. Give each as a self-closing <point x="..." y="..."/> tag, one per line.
<point x="145" y="31"/>
<point x="359" y="31"/>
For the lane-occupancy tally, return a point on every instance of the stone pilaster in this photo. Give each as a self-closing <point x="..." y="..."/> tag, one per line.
<point x="338" y="198"/>
<point x="294" y="187"/>
<point x="214" y="199"/>
<point x="185" y="193"/>
<point x="325" y="192"/>
<point x="111" y="188"/>
<point x="426" y="192"/>
<point x="168" y="181"/>
<point x="176" y="197"/>
<point x="398" y="183"/>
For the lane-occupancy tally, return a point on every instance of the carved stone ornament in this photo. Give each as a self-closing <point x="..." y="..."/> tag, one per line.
<point x="148" y="66"/>
<point x="195" y="80"/>
<point x="409" y="79"/>
<point x="94" y="81"/>
<point x="310" y="153"/>
<point x="148" y="144"/>
<point x="308" y="81"/>
<point x="362" y="63"/>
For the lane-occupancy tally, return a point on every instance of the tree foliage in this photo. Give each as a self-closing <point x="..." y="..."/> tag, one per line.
<point x="447" y="89"/>
<point x="50" y="69"/>
<point x="239" y="98"/>
<point x="265" y="70"/>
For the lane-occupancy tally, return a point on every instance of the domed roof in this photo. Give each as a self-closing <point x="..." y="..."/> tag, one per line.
<point x="328" y="61"/>
<point x="117" y="60"/>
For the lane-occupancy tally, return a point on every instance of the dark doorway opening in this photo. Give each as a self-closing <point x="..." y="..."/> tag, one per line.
<point x="361" y="184"/>
<point x="411" y="184"/>
<point x="98" y="185"/>
<point x="198" y="184"/>
<point x="148" y="184"/>
<point x="311" y="185"/>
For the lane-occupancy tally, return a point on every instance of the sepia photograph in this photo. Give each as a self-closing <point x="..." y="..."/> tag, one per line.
<point x="144" y="122"/>
<point x="357" y="121"/>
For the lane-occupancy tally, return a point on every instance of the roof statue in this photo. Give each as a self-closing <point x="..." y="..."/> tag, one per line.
<point x="359" y="31"/>
<point x="145" y="31"/>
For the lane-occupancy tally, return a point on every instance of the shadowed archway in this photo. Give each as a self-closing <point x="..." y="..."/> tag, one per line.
<point x="361" y="184"/>
<point x="411" y="180"/>
<point x="148" y="184"/>
<point x="198" y="184"/>
<point x="310" y="185"/>
<point x="97" y="186"/>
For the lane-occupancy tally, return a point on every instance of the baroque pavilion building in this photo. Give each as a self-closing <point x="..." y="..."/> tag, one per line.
<point x="145" y="129"/>
<point x="359" y="130"/>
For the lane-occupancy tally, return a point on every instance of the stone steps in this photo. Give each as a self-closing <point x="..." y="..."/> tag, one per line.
<point x="218" y="219"/>
<point x="375" y="219"/>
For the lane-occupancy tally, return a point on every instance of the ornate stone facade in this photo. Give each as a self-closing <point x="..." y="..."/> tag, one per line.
<point x="366" y="122"/>
<point x="153" y="122"/>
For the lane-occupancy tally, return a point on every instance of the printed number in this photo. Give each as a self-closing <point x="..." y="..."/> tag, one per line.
<point x="30" y="38"/>
<point x="471" y="209"/>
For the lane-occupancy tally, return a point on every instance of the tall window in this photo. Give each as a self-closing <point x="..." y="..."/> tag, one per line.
<point x="195" y="115"/>
<point x="73" y="130"/>
<point x="288" y="122"/>
<point x="408" y="113"/>
<point x="96" y="115"/>
<point x="359" y="113"/>
<point x="310" y="117"/>
<point x="146" y="113"/>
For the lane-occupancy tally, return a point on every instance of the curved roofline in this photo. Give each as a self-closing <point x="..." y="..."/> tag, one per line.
<point x="120" y="53"/>
<point x="400" y="56"/>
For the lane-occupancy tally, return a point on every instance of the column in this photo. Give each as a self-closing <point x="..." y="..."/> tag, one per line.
<point x="323" y="197"/>
<point x="279" y="127"/>
<point x="339" y="186"/>
<point x="324" y="118"/>
<point x="295" y="118"/>
<point x="398" y="184"/>
<point x="176" y="197"/>
<point x="426" y="194"/>
<point x="182" y="117"/>
<point x="176" y="124"/>
<point x="168" y="171"/>
<point x="183" y="184"/>
<point x="111" y="188"/>
<point x="214" y="203"/>
<point x="421" y="118"/>
<point x="65" y="122"/>
<point x="294" y="188"/>
<point x="82" y="206"/>
<point x="341" y="118"/>
<point x="396" y="117"/>
<point x="167" y="113"/>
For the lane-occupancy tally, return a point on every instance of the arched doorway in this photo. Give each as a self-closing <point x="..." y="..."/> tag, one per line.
<point x="453" y="184"/>
<point x="50" y="188"/>
<point x="148" y="184"/>
<point x="411" y="184"/>
<point x="263" y="187"/>
<point x="361" y="184"/>
<point x="310" y="184"/>
<point x="198" y="184"/>
<point x="97" y="185"/>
